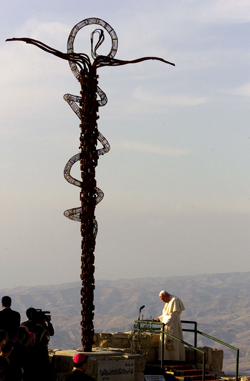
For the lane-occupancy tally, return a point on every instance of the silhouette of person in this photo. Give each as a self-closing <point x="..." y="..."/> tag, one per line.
<point x="5" y="369"/>
<point x="9" y="319"/>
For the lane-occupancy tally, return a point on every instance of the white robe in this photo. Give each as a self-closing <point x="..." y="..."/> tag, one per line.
<point x="171" y="316"/>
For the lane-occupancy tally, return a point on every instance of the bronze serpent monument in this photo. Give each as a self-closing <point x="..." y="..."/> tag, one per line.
<point x="86" y="108"/>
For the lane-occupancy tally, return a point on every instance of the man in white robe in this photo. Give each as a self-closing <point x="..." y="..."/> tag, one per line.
<point x="171" y="316"/>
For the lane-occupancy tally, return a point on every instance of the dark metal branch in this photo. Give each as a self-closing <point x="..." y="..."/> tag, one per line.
<point x="79" y="58"/>
<point x="107" y="61"/>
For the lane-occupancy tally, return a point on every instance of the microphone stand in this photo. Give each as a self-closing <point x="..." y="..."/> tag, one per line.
<point x="139" y="316"/>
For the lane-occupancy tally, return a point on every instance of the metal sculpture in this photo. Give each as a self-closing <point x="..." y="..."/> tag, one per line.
<point x="86" y="107"/>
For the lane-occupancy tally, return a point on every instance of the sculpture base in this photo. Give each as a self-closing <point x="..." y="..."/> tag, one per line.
<point x="102" y="365"/>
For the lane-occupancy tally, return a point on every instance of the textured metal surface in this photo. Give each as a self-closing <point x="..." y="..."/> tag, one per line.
<point x="86" y="107"/>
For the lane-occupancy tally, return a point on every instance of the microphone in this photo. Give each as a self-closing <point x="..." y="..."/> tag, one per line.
<point x="141" y="308"/>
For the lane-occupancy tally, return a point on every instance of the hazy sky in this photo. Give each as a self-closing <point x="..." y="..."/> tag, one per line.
<point x="177" y="178"/>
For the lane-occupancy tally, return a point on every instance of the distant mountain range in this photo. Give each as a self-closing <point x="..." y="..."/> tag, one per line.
<point x="220" y="303"/>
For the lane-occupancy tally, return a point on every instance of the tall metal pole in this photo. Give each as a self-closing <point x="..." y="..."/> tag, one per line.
<point x="88" y="163"/>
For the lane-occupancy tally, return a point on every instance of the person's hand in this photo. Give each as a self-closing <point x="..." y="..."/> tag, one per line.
<point x="157" y="319"/>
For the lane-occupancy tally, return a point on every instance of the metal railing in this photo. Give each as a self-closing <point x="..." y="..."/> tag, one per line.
<point x="227" y="345"/>
<point x="162" y="331"/>
<point x="195" y="334"/>
<point x="196" y="331"/>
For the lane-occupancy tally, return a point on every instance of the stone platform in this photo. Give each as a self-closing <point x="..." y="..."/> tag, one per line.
<point x="111" y="359"/>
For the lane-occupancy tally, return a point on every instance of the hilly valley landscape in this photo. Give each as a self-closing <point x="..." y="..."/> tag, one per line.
<point x="220" y="304"/>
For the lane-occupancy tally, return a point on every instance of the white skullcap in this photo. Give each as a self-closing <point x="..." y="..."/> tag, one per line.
<point x="162" y="292"/>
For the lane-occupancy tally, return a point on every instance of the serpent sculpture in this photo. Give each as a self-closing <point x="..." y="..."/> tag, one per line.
<point x="86" y="107"/>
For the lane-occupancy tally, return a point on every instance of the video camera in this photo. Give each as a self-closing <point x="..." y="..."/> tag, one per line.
<point x="36" y="314"/>
<point x="45" y="314"/>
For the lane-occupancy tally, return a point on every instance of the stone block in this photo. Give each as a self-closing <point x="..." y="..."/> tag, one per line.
<point x="120" y="340"/>
<point x="217" y="360"/>
<point x="92" y="367"/>
<point x="189" y="355"/>
<point x="62" y="363"/>
<point x="103" y="340"/>
<point x="208" y="357"/>
<point x="214" y="358"/>
<point x="112" y="340"/>
<point x="139" y="363"/>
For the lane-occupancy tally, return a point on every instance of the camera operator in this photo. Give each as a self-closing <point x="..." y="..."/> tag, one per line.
<point x="42" y="330"/>
<point x="32" y="314"/>
<point x="47" y="325"/>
